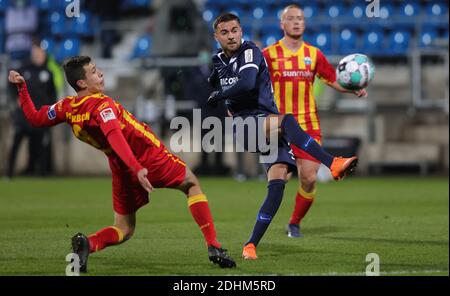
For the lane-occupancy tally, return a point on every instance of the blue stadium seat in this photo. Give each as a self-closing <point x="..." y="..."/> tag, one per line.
<point x="409" y="9"/>
<point x="427" y="36"/>
<point x="249" y="32"/>
<point x="323" y="41"/>
<point x="142" y="47"/>
<point x="81" y="26"/>
<point x="210" y="14"/>
<point x="241" y="13"/>
<point x="357" y="11"/>
<point x="270" y="35"/>
<point x="49" y="5"/>
<point x="259" y="12"/>
<point x="373" y="41"/>
<point x="436" y="8"/>
<point x="399" y="41"/>
<point x="224" y="4"/>
<point x="348" y="40"/>
<point x="57" y="23"/>
<point x="335" y="10"/>
<point x="386" y="10"/>
<point x="48" y="45"/>
<point x="67" y="48"/>
<point x="310" y="10"/>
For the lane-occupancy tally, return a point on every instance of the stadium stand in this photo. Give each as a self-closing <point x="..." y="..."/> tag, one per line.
<point x="404" y="31"/>
<point x="426" y="20"/>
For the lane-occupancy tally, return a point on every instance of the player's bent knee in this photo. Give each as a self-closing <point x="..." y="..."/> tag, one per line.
<point x="308" y="180"/>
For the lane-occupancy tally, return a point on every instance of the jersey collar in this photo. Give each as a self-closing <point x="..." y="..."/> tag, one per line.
<point x="285" y="48"/>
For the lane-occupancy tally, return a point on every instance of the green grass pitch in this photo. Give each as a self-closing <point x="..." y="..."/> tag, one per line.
<point x="404" y="220"/>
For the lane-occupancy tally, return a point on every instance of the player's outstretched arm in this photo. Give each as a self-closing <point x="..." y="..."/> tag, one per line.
<point x="359" y="93"/>
<point x="46" y="116"/>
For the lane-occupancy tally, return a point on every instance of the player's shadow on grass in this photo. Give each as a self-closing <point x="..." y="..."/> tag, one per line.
<point x="392" y="241"/>
<point x="146" y="266"/>
<point x="276" y="250"/>
<point x="314" y="231"/>
<point x="321" y="230"/>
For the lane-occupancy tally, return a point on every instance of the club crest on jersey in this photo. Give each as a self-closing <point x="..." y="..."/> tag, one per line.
<point x="107" y="115"/>
<point x="307" y="60"/>
<point x="51" y="113"/>
<point x="248" y="55"/>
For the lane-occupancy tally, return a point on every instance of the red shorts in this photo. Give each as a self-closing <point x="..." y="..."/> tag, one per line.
<point x="164" y="171"/>
<point x="300" y="154"/>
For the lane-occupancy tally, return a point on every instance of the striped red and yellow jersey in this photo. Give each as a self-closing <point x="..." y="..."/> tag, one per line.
<point x="94" y="116"/>
<point x="292" y="75"/>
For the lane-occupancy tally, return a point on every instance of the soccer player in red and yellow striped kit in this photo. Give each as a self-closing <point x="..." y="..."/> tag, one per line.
<point x="293" y="65"/>
<point x="139" y="161"/>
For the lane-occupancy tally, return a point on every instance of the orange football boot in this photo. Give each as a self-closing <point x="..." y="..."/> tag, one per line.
<point x="341" y="167"/>
<point x="249" y="252"/>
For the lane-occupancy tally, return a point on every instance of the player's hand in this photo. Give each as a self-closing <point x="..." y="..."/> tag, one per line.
<point x="15" y="77"/>
<point x="142" y="177"/>
<point x="213" y="99"/>
<point x="361" y="93"/>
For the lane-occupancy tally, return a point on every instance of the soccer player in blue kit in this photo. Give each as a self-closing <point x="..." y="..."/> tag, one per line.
<point x="240" y="77"/>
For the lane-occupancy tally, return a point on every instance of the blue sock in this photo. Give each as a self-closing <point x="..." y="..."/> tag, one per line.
<point x="294" y="133"/>
<point x="268" y="210"/>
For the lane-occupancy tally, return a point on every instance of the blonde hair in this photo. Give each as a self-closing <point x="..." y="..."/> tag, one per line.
<point x="289" y="7"/>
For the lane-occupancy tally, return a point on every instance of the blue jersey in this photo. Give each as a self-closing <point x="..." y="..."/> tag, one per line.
<point x="244" y="81"/>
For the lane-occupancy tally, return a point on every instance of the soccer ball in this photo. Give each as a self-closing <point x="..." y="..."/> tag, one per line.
<point x="355" y="71"/>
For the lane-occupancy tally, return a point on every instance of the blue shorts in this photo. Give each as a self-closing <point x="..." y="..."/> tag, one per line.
<point x="251" y="138"/>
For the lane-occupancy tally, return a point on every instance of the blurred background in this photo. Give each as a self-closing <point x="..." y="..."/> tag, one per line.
<point x="155" y="56"/>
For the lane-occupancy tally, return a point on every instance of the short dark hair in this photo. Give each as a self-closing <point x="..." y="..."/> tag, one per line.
<point x="225" y="17"/>
<point x="73" y="68"/>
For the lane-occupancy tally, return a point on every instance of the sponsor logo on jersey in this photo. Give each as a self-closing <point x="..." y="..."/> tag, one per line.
<point x="78" y="117"/>
<point x="107" y="115"/>
<point x="228" y="81"/>
<point x="248" y="54"/>
<point x="51" y="113"/>
<point x="301" y="74"/>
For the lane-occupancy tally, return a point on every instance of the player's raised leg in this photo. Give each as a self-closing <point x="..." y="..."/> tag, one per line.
<point x="289" y="127"/>
<point x="277" y="176"/>
<point x="121" y="231"/>
<point x="307" y="174"/>
<point x="199" y="208"/>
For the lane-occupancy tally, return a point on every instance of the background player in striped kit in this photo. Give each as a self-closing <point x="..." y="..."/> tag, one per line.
<point x="293" y="66"/>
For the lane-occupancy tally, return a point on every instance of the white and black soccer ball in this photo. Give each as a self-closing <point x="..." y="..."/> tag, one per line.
<point x="355" y="71"/>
